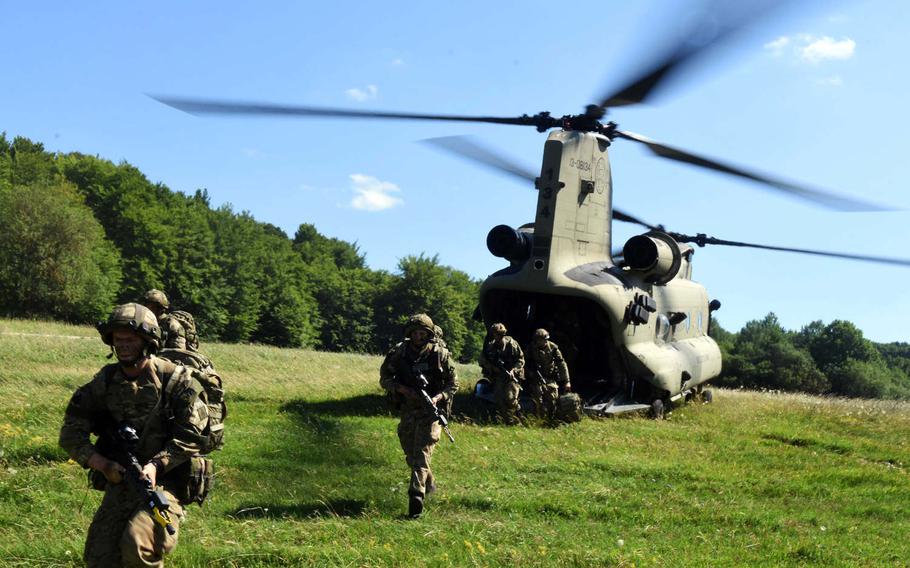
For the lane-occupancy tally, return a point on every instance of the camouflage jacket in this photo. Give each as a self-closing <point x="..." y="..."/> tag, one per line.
<point x="402" y="364"/>
<point x="549" y="361"/>
<point x="496" y="360"/>
<point x="170" y="431"/>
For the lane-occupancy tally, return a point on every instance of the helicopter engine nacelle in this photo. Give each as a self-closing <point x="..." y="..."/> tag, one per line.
<point x="505" y="242"/>
<point x="656" y="254"/>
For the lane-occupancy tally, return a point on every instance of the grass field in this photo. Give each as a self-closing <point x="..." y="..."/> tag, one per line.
<point x="312" y="474"/>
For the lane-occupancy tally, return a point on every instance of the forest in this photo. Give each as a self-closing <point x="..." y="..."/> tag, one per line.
<point x="81" y="233"/>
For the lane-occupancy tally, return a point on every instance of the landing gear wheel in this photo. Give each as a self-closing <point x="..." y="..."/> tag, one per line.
<point x="657" y="409"/>
<point x="707" y="396"/>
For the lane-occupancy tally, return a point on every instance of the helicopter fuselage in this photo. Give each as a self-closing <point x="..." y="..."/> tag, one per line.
<point x="640" y="330"/>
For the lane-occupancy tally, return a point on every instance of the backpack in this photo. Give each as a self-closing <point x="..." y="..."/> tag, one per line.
<point x="186" y="320"/>
<point x="569" y="408"/>
<point x="191" y="481"/>
<point x="195" y="478"/>
<point x="202" y="370"/>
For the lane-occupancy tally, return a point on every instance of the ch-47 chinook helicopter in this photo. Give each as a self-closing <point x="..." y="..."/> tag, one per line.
<point x="633" y="325"/>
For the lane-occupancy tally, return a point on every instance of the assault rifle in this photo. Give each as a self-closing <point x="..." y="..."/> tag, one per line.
<point x="422" y="385"/>
<point x="124" y="442"/>
<point x="502" y="367"/>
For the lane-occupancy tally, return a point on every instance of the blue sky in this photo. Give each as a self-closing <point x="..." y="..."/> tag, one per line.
<point x="816" y="94"/>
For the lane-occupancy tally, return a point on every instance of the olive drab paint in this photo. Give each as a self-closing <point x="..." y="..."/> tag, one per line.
<point x="571" y="257"/>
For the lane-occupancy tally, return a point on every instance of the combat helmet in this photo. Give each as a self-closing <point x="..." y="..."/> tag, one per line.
<point x="135" y="317"/>
<point x="498" y="329"/>
<point x="155" y="296"/>
<point x="541" y="334"/>
<point x="419" y="321"/>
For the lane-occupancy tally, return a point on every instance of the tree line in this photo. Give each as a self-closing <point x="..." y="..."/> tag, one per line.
<point x="82" y="234"/>
<point x="820" y="358"/>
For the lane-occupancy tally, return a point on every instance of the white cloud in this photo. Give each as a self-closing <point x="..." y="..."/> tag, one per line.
<point x="361" y="95"/>
<point x="778" y="46"/>
<point x="397" y="61"/>
<point x="252" y="152"/>
<point x="372" y="194"/>
<point x="827" y="48"/>
<point x="832" y="81"/>
<point x="812" y="49"/>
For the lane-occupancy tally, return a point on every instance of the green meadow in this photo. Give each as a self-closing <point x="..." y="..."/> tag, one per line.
<point x="312" y="475"/>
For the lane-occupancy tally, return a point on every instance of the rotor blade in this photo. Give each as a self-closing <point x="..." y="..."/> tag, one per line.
<point x="829" y="200"/>
<point x="205" y="106"/>
<point x="702" y="240"/>
<point x="466" y="147"/>
<point x="626" y="218"/>
<point x="717" y="22"/>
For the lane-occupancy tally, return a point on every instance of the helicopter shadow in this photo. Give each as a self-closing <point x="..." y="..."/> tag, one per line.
<point x="312" y="458"/>
<point x="364" y="405"/>
<point x="319" y="509"/>
<point x="467" y="409"/>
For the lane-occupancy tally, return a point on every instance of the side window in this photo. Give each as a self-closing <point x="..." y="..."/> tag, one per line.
<point x="662" y="329"/>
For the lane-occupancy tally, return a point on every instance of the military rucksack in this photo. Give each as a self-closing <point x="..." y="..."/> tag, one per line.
<point x="191" y="481"/>
<point x="202" y="370"/>
<point x="569" y="408"/>
<point x="188" y="323"/>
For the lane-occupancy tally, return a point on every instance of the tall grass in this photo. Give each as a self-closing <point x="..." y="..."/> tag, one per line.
<point x="312" y="474"/>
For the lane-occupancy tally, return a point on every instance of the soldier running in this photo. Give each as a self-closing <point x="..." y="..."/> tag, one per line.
<point x="419" y="429"/>
<point x="128" y="396"/>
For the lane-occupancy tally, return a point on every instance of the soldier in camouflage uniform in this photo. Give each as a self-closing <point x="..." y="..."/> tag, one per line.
<point x="122" y="532"/>
<point x="503" y="362"/>
<point x="418" y="430"/>
<point x="546" y="373"/>
<point x="437" y="337"/>
<point x="173" y="331"/>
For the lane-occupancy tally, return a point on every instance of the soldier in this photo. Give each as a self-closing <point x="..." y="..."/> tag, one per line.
<point x="418" y="430"/>
<point x="167" y="409"/>
<point x="502" y="361"/>
<point x="437" y="337"/>
<point x="178" y="327"/>
<point x="546" y="373"/>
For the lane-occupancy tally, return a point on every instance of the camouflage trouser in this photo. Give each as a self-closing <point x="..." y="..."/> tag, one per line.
<point x="544" y="396"/>
<point x="123" y="533"/>
<point x="506" y="394"/>
<point x="418" y="435"/>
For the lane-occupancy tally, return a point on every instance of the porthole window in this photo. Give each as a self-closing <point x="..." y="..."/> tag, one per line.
<point x="663" y="327"/>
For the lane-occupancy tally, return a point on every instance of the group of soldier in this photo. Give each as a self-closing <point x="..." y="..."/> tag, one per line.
<point x="155" y="418"/>
<point x="419" y="376"/>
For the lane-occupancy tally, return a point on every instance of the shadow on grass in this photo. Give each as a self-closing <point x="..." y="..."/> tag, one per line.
<point x="361" y="405"/>
<point x="32" y="455"/>
<point x="328" y="508"/>
<point x="797" y="442"/>
<point x="467" y="408"/>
